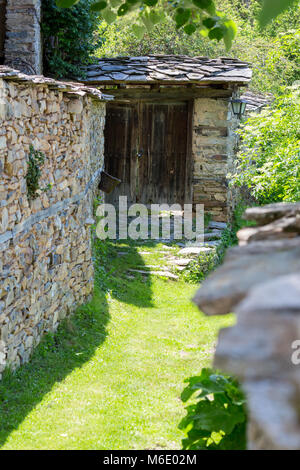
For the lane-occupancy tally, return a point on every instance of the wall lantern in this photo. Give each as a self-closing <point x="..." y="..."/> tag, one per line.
<point x="238" y="107"/>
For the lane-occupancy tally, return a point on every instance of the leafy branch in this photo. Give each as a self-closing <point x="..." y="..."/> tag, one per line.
<point x="190" y="15"/>
<point x="217" y="420"/>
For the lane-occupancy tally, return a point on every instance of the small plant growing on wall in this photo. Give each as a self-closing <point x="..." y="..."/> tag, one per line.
<point x="36" y="159"/>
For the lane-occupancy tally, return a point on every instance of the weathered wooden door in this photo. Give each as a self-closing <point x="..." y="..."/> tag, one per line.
<point x="146" y="146"/>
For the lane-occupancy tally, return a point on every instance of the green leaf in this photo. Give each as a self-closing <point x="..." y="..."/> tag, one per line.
<point x="155" y="16"/>
<point x="123" y="9"/>
<point x="207" y="382"/>
<point x="66" y="3"/>
<point x="229" y="33"/>
<point x="212" y="417"/>
<point x="273" y="8"/>
<point x="207" y="5"/>
<point x="216" y="33"/>
<point x="150" y="3"/>
<point x="108" y="15"/>
<point x="115" y="3"/>
<point x="209" y="22"/>
<point x="147" y="22"/>
<point x="99" y="6"/>
<point x="190" y="28"/>
<point x="139" y="30"/>
<point x="182" y="16"/>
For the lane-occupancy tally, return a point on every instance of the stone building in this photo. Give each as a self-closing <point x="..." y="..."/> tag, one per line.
<point x="46" y="267"/>
<point x="20" y="35"/>
<point x="168" y="136"/>
<point x="169" y="133"/>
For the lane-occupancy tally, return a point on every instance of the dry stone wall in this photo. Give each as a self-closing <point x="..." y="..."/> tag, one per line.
<point x="260" y="282"/>
<point x="46" y="267"/>
<point x="213" y="143"/>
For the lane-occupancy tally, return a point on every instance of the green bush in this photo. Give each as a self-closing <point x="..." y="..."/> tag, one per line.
<point x="68" y="38"/>
<point x="269" y="162"/>
<point x="217" y="419"/>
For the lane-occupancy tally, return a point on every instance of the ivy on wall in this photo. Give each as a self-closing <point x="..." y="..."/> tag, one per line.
<point x="36" y="159"/>
<point x="68" y="38"/>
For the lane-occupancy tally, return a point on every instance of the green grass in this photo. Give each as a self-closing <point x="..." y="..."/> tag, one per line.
<point x="112" y="375"/>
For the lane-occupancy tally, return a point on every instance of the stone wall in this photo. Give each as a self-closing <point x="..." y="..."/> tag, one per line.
<point x="260" y="282"/>
<point x="213" y="142"/>
<point x="46" y="268"/>
<point x="23" y="49"/>
<point x="2" y="28"/>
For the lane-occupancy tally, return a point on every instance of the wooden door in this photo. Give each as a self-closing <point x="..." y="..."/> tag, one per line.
<point x="120" y="138"/>
<point x="146" y="146"/>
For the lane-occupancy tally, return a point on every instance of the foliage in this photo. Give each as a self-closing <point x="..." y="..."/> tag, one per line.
<point x="198" y="269"/>
<point x="217" y="419"/>
<point x="68" y="38"/>
<point x="269" y="161"/>
<point x="35" y="161"/>
<point x="185" y="13"/>
<point x="274" y="63"/>
<point x="190" y="15"/>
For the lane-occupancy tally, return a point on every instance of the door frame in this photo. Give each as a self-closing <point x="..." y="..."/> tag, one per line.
<point x="189" y="163"/>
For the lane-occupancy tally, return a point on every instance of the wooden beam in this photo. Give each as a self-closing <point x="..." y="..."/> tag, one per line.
<point x="165" y="94"/>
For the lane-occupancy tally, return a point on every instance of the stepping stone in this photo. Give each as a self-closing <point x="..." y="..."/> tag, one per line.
<point x="180" y="268"/>
<point x="217" y="225"/>
<point x="157" y="273"/>
<point x="181" y="262"/>
<point x="213" y="243"/>
<point x="152" y="266"/>
<point x="194" y="250"/>
<point x="216" y="234"/>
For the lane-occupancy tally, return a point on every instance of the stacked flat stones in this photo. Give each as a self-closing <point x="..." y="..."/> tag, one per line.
<point x="260" y="281"/>
<point x="168" y="68"/>
<point x="46" y="266"/>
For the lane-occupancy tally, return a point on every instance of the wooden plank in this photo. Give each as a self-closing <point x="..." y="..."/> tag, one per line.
<point x="167" y="94"/>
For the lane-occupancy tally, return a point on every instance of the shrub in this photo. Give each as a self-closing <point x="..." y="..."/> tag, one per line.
<point x="68" y="38"/>
<point x="269" y="162"/>
<point x="217" y="419"/>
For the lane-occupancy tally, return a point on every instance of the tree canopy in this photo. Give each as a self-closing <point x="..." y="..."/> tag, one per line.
<point x="190" y="15"/>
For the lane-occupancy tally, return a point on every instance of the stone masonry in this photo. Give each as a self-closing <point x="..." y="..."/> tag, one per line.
<point x="260" y="282"/>
<point x="46" y="268"/>
<point x="213" y="149"/>
<point x="23" y="49"/>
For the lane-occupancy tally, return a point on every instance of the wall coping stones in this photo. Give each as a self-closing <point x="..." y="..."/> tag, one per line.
<point x="72" y="88"/>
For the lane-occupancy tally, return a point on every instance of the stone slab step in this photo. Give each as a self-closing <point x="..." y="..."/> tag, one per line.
<point x="194" y="250"/>
<point x="215" y="234"/>
<point x="181" y="261"/>
<point x="217" y="225"/>
<point x="157" y="273"/>
<point x="152" y="266"/>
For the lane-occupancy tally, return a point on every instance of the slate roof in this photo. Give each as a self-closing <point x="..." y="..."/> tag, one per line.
<point x="256" y="101"/>
<point x="74" y="88"/>
<point x="168" y="69"/>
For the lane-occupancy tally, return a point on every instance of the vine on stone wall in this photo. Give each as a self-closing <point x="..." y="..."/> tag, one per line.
<point x="36" y="159"/>
<point x="68" y="38"/>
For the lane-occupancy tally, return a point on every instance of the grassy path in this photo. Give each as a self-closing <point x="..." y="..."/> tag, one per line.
<point x="111" y="377"/>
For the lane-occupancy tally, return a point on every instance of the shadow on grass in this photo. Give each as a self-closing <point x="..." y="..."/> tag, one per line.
<point x="77" y="338"/>
<point x="129" y="287"/>
<point x="58" y="354"/>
